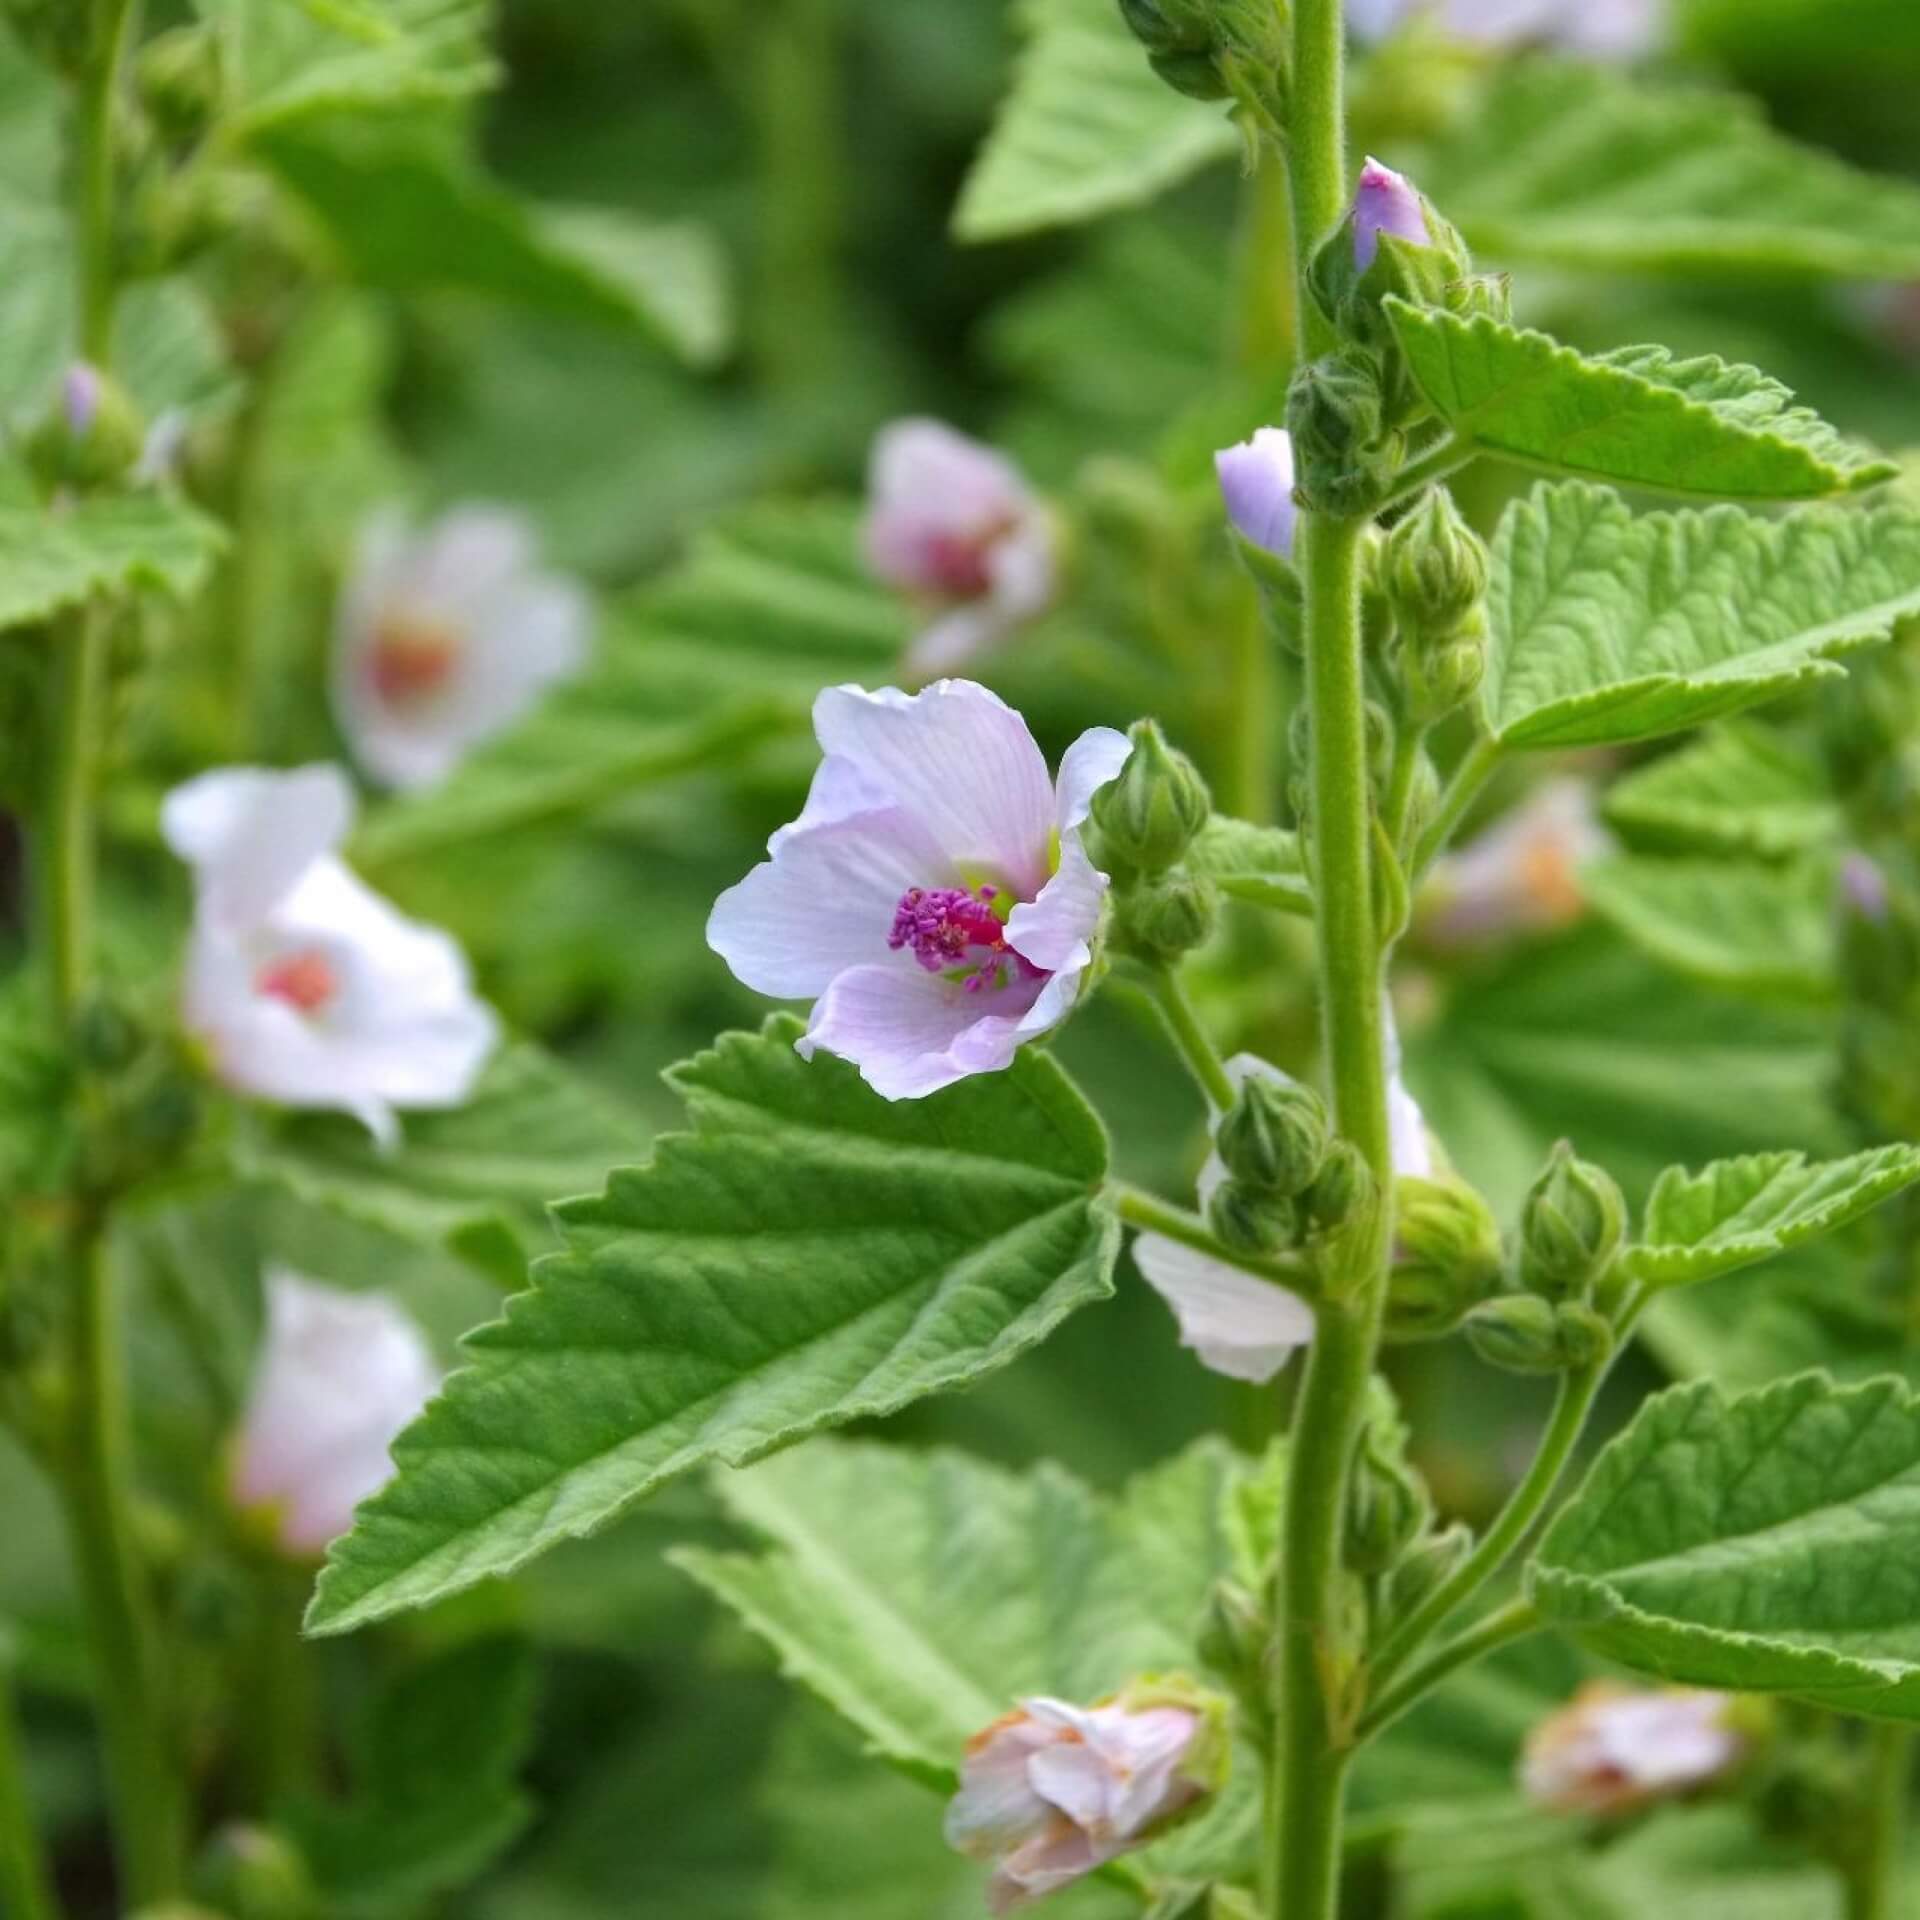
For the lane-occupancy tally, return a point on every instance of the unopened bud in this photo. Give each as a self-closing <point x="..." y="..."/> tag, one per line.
<point x="255" y="1873"/>
<point x="1387" y="1508"/>
<point x="1159" y="920"/>
<point x="1433" y="570"/>
<point x="179" y="81"/>
<point x="1344" y="455"/>
<point x="1274" y="1136"/>
<point x="1339" y="1189"/>
<point x="89" y="437"/>
<point x="1571" y="1225"/>
<point x="1169" y="26"/>
<point x="1385" y="202"/>
<point x="1446" y="1256"/>
<point x="1234" y="1638"/>
<point x="1423" y="1568"/>
<point x="1149" y="813"/>
<point x="1522" y="1333"/>
<point x="1256" y="482"/>
<point x="1246" y="1220"/>
<point x="1442" y="678"/>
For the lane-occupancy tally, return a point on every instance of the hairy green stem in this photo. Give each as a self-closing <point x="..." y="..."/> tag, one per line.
<point x="1472" y="774"/>
<point x="1512" y="1622"/>
<point x="1425" y="469"/>
<point x="26" y="1881"/>
<point x="1873" y="1881"/>
<point x="76" y="696"/>
<point x="1573" y="1402"/>
<point x="1407" y="743"/>
<point x="1196" y="1049"/>
<point x="1150" y="1214"/>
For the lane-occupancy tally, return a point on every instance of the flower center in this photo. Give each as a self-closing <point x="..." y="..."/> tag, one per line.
<point x="412" y="657"/>
<point x="305" y="980"/>
<point x="960" y="934"/>
<point x="958" y="564"/>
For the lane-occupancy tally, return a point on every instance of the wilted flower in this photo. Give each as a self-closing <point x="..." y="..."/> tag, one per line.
<point x="1053" y="1792"/>
<point x="307" y="987"/>
<point x="933" y="899"/>
<point x="444" y="637"/>
<point x="338" y="1377"/>
<point x="1612" y="1749"/>
<point x="1522" y="875"/>
<point x="1606" y="29"/>
<point x="1256" y="482"/>
<point x="1385" y="202"/>
<point x="953" y="523"/>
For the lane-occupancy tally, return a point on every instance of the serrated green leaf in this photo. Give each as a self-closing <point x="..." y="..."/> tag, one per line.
<point x="405" y="215"/>
<point x="1738" y="1211"/>
<point x="1606" y="627"/>
<point x="50" y="561"/>
<point x="1741" y="788"/>
<point x="1087" y="127"/>
<point x="1258" y="864"/>
<point x="1637" y="417"/>
<point x="1734" y="924"/>
<point x="809" y="1254"/>
<point x="477" y="1178"/>
<point x="1578" y="166"/>
<point x="1769" y="1543"/>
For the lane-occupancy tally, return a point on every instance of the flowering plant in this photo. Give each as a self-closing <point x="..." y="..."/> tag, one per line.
<point x="1288" y="1292"/>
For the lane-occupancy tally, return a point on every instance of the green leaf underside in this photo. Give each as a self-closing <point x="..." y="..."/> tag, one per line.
<point x="1087" y="127"/>
<point x="1739" y="788"/>
<point x="407" y="217"/>
<point x="1734" y="924"/>
<point x="1259" y="864"/>
<point x="1769" y="1543"/>
<point x="1737" y="1211"/>
<point x="50" y="562"/>
<point x="1576" y="166"/>
<point x="1607" y="627"/>
<point x="1637" y="417"/>
<point x="809" y="1254"/>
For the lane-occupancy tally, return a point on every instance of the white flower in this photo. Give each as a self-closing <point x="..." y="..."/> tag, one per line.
<point x="1256" y="482"/>
<point x="1054" y="1791"/>
<point x="1605" y="29"/>
<point x="933" y="899"/>
<point x="444" y="637"/>
<point x="1237" y="1323"/>
<point x="1522" y="875"/>
<point x="339" y="1375"/>
<point x="1612" y="1749"/>
<point x="953" y="523"/>
<point x="306" y="986"/>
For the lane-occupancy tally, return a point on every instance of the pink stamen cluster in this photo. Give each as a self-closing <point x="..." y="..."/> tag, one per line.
<point x="948" y="928"/>
<point x="305" y="981"/>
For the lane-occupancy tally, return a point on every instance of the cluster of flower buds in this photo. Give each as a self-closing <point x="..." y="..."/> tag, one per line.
<point x="1446" y="1256"/>
<point x="1053" y="1791"/>
<point x="1216" y="50"/>
<point x="1615" y="1750"/>
<point x="1271" y="1144"/>
<point x="1147" y="819"/>
<point x="1433" y="577"/>
<point x="89" y="438"/>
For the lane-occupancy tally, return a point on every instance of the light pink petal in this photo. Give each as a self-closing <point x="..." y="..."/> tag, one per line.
<point x="249" y="833"/>
<point x="911" y="1033"/>
<point x="839" y="790"/>
<point x="996" y="1806"/>
<point x="1238" y="1324"/>
<point x="1021" y="569"/>
<point x="959" y="760"/>
<point x="956" y="639"/>
<point x="1055" y="931"/>
<point x="1078" y="1780"/>
<point x="1385" y="202"/>
<point x="1086" y="766"/>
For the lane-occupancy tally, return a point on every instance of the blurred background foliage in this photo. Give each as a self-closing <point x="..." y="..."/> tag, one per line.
<point x="658" y="287"/>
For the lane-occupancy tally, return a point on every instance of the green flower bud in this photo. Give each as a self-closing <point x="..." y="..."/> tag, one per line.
<point x="1387" y="1507"/>
<point x="1433" y="569"/>
<point x="1274" y="1136"/>
<point x="1571" y="1225"/>
<point x="178" y="75"/>
<point x="1149" y="813"/>
<point x="1522" y="1333"/>
<point x="1197" y="75"/>
<point x="1344" y="456"/>
<point x="89" y="437"/>
<point x="1246" y="1220"/>
<point x="254" y="1873"/>
<point x="1159" y="920"/>
<point x="1341" y="1187"/>
<point x="1446" y="1256"/>
<point x="1442" y="678"/>
<point x="106" y="1037"/>
<point x="1233" y="1641"/>
<point x="1423" y="1568"/>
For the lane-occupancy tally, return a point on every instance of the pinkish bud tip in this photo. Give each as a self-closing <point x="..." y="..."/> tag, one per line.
<point x="80" y="398"/>
<point x="1865" y="887"/>
<point x="1256" y="482"/>
<point x="1385" y="202"/>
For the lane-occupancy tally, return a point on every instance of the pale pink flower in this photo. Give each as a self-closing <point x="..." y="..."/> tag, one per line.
<point x="1053" y="1792"/>
<point x="1612" y="1749"/>
<point x="306" y="987"/>
<point x="1602" y="29"/>
<point x="1385" y="202"/>
<point x="1522" y="875"/>
<point x="444" y="637"/>
<point x="338" y="1376"/>
<point x="1256" y="482"/>
<point x="934" y="899"/>
<point x="952" y="523"/>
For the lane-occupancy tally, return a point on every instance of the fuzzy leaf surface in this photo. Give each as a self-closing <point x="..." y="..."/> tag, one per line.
<point x="1735" y="1212"/>
<point x="1637" y="417"/>
<point x="809" y="1254"/>
<point x="1604" y="627"/>
<point x="1769" y="1543"/>
<point x="1741" y="788"/>
<point x="1086" y="127"/>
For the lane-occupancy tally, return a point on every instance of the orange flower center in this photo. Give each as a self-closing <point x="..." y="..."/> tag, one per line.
<point x="305" y="981"/>
<point x="412" y="658"/>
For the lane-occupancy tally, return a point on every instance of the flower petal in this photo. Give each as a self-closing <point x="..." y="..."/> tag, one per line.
<point x="1086" y="766"/>
<point x="249" y="833"/>
<point x="956" y="639"/>
<point x="1055" y="931"/>
<point x="1238" y="1324"/>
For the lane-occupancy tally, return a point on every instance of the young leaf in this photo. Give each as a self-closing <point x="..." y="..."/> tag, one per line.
<point x="405" y="216"/>
<point x="1741" y="788"/>
<point x="1769" y="1543"/>
<point x="1259" y="864"/>
<point x="1738" y="1211"/>
<point x="1606" y="627"/>
<point x="1087" y="127"/>
<point x="808" y="1255"/>
<point x="1733" y="924"/>
<point x="1578" y="166"/>
<point x="52" y="561"/>
<point x="1637" y="416"/>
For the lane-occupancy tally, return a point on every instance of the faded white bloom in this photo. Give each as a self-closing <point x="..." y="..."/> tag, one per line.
<point x="933" y="899"/>
<point x="338" y="1376"/>
<point x="1053" y="1792"/>
<point x="306" y="987"/>
<point x="446" y="636"/>
<point x="954" y="524"/>
<point x="1612" y="1749"/>
<point x="1256" y="482"/>
<point x="1520" y="876"/>
<point x="1602" y="29"/>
